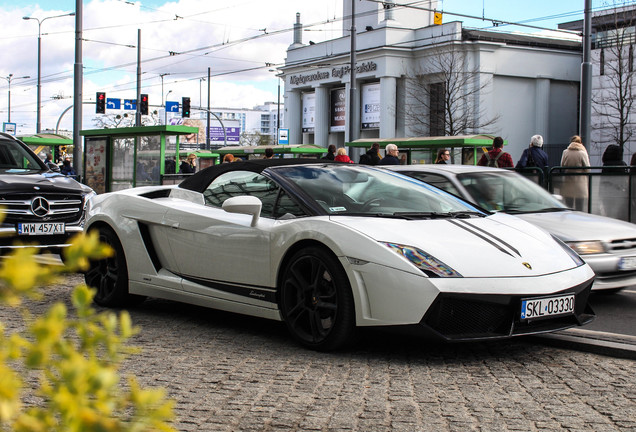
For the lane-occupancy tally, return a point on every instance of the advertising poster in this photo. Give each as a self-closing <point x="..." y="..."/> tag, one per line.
<point x="370" y="118"/>
<point x="309" y="111"/>
<point x="338" y="110"/>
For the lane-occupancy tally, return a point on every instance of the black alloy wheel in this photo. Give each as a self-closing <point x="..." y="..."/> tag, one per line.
<point x="109" y="276"/>
<point x="316" y="300"/>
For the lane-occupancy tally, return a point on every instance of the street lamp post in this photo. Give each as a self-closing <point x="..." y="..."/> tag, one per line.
<point x="9" y="79"/>
<point x="40" y="21"/>
<point x="165" y="111"/>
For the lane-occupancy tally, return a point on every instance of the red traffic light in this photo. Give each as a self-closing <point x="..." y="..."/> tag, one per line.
<point x="100" y="104"/>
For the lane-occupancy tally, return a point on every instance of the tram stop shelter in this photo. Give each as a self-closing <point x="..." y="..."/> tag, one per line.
<point x="121" y="158"/>
<point x="464" y="149"/>
<point x="280" y="151"/>
<point x="49" y="143"/>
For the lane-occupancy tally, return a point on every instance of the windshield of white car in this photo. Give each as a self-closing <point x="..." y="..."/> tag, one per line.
<point x="355" y="190"/>
<point x="508" y="192"/>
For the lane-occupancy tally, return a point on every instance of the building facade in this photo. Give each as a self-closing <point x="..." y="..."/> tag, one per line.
<point x="613" y="80"/>
<point x="406" y="66"/>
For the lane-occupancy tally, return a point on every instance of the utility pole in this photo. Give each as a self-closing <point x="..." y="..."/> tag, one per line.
<point x="586" y="77"/>
<point x="138" y="112"/>
<point x="78" y="151"/>
<point x="352" y="75"/>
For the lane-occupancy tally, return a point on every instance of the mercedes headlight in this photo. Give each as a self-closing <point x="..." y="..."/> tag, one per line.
<point x="587" y="247"/>
<point x="429" y="265"/>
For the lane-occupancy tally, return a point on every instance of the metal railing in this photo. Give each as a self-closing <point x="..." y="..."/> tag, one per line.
<point x="603" y="190"/>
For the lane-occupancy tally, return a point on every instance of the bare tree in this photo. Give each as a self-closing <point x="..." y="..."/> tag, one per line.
<point x="442" y="96"/>
<point x="109" y="121"/>
<point x="613" y="100"/>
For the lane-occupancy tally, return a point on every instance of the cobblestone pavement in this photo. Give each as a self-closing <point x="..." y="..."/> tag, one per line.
<point x="235" y="373"/>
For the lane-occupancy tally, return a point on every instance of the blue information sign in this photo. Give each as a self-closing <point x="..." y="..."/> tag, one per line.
<point x="113" y="103"/>
<point x="172" y="106"/>
<point x="130" y="104"/>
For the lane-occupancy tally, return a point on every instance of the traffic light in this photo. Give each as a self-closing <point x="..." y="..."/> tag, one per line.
<point x="100" y="104"/>
<point x="185" y="107"/>
<point x="143" y="107"/>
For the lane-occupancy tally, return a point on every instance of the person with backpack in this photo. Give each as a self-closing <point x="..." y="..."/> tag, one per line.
<point x="372" y="156"/>
<point x="496" y="157"/>
<point x="533" y="156"/>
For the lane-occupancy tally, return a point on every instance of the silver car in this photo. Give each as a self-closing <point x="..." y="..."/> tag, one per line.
<point x="607" y="245"/>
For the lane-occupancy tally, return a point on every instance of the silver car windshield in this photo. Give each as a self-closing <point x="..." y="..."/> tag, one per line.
<point x="363" y="191"/>
<point x="508" y="192"/>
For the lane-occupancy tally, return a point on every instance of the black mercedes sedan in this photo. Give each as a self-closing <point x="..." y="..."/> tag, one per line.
<point x="38" y="207"/>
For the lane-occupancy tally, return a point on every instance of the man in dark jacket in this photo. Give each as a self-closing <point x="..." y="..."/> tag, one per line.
<point x="391" y="157"/>
<point x="533" y="156"/>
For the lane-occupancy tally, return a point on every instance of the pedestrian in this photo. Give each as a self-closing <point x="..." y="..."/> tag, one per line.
<point x="391" y="155"/>
<point x="372" y="156"/>
<point x="341" y="156"/>
<point x="50" y="164"/>
<point x="67" y="168"/>
<point x="269" y="153"/>
<point x="331" y="153"/>
<point x="533" y="156"/>
<point x="443" y="156"/>
<point x="496" y="157"/>
<point x="614" y="183"/>
<point x="228" y="158"/>
<point x="574" y="187"/>
<point x="189" y="166"/>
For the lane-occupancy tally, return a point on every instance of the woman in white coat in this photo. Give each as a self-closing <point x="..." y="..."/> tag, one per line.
<point x="574" y="188"/>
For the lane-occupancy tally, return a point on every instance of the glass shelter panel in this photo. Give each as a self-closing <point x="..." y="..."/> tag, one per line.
<point x="123" y="163"/>
<point x="96" y="154"/>
<point x="148" y="161"/>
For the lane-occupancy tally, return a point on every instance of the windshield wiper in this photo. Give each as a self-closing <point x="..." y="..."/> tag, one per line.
<point x="378" y="215"/>
<point x="435" y="215"/>
<point x="543" y="210"/>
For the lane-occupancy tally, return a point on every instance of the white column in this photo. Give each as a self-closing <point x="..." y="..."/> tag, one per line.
<point x="388" y="101"/>
<point x="321" y="126"/>
<point x="293" y="116"/>
<point x="542" y="107"/>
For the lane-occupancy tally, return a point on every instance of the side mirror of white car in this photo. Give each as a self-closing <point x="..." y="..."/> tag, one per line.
<point x="558" y="197"/>
<point x="248" y="205"/>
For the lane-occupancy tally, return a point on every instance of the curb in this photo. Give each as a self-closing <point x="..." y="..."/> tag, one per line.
<point x="610" y="344"/>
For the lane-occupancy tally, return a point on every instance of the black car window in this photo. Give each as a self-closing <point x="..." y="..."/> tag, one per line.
<point x="435" y="180"/>
<point x="237" y="183"/>
<point x="13" y="156"/>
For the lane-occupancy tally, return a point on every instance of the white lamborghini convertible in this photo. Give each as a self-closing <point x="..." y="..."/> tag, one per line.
<point x="328" y="247"/>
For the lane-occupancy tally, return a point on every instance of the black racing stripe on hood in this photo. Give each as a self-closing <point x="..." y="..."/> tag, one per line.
<point x="484" y="238"/>
<point x="493" y="236"/>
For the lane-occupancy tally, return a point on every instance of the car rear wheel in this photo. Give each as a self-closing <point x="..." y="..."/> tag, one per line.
<point x="109" y="276"/>
<point x="316" y="300"/>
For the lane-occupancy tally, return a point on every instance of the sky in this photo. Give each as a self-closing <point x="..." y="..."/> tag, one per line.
<point x="241" y="42"/>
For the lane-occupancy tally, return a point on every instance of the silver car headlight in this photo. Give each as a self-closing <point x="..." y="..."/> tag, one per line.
<point x="573" y="254"/>
<point x="587" y="247"/>
<point x="429" y="265"/>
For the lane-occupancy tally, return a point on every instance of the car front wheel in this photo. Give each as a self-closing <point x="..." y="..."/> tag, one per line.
<point x="316" y="300"/>
<point x="109" y="276"/>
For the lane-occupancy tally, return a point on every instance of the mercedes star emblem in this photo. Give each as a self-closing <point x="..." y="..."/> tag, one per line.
<point x="40" y="206"/>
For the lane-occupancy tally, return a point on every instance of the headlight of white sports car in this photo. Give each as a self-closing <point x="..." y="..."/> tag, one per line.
<point x="570" y="250"/>
<point x="429" y="265"/>
<point x="587" y="247"/>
